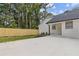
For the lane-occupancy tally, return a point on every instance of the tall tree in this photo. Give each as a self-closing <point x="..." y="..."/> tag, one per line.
<point x="20" y="15"/>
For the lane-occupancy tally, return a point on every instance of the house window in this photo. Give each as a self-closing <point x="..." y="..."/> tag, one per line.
<point x="69" y="25"/>
<point x="53" y="27"/>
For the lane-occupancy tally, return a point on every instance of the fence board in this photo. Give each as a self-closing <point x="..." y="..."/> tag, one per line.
<point x="17" y="32"/>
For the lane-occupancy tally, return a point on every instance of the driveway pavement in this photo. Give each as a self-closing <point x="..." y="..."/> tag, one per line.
<point x="43" y="46"/>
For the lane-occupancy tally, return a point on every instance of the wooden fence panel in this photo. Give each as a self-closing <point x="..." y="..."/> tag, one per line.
<point x="17" y="32"/>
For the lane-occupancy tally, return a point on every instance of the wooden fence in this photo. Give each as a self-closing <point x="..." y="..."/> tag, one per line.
<point x="17" y="32"/>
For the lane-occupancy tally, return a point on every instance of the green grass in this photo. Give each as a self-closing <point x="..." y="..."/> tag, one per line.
<point x="14" y="38"/>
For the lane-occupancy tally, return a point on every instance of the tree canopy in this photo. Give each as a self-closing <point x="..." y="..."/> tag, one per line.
<point x="21" y="15"/>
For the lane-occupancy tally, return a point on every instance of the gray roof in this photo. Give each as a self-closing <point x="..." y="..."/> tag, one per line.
<point x="68" y="15"/>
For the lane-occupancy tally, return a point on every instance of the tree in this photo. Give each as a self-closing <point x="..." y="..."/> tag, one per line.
<point x="21" y="15"/>
<point x="44" y="13"/>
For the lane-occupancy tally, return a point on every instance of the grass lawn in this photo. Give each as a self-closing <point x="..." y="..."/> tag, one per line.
<point x="14" y="38"/>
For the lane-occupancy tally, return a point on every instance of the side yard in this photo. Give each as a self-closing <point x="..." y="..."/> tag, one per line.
<point x="14" y="38"/>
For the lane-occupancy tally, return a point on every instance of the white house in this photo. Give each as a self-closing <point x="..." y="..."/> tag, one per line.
<point x="43" y="27"/>
<point x="66" y="24"/>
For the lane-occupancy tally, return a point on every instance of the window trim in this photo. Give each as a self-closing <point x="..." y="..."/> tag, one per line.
<point x="69" y="25"/>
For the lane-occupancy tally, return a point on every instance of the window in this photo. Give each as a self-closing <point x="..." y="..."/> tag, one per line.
<point x="69" y="25"/>
<point x="54" y="27"/>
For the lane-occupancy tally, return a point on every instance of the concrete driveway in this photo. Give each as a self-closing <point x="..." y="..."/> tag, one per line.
<point x="43" y="46"/>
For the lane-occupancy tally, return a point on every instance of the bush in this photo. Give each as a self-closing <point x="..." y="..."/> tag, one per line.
<point x="43" y="34"/>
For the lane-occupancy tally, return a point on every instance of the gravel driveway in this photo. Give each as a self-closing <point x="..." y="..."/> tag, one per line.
<point x="43" y="46"/>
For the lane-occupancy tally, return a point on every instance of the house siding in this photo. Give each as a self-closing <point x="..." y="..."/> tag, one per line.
<point x="52" y="31"/>
<point x="43" y="28"/>
<point x="74" y="33"/>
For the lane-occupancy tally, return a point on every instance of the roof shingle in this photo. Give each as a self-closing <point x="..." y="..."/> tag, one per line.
<point x="69" y="15"/>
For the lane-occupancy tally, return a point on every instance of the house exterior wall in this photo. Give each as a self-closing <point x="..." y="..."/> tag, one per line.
<point x="43" y="28"/>
<point x="54" y="31"/>
<point x="74" y="33"/>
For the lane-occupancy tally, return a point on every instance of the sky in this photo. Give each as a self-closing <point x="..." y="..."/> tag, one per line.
<point x="59" y="8"/>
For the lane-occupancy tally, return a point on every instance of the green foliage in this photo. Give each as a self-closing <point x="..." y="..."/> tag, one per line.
<point x="20" y="15"/>
<point x="13" y="25"/>
<point x="14" y="38"/>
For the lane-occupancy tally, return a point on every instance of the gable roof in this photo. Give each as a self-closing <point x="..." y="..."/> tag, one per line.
<point x="68" y="15"/>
